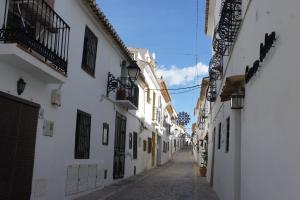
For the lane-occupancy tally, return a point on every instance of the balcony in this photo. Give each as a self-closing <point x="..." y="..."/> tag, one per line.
<point x="34" y="27"/>
<point x="128" y="96"/>
<point x="157" y="118"/>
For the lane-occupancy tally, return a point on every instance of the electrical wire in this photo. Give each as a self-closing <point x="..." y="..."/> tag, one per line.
<point x="190" y="90"/>
<point x="182" y="88"/>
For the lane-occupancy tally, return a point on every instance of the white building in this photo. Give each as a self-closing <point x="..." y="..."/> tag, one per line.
<point x="201" y="137"/>
<point x="71" y="119"/>
<point x="254" y="61"/>
<point x="158" y="111"/>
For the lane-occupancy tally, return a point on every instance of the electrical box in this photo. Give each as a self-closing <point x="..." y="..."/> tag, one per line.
<point x="56" y="98"/>
<point x="48" y="128"/>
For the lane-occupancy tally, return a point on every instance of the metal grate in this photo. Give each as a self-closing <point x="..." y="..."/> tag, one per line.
<point x="135" y="145"/>
<point x="82" y="137"/>
<point x="89" y="51"/>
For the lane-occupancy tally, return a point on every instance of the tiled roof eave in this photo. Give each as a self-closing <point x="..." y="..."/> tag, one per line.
<point x="102" y="19"/>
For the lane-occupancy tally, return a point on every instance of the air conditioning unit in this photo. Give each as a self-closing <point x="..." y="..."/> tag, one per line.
<point x="56" y="98"/>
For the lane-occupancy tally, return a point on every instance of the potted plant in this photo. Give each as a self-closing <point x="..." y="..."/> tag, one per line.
<point x="203" y="166"/>
<point x="121" y="94"/>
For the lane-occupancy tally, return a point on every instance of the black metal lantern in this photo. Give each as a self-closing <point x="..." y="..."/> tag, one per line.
<point x="21" y="86"/>
<point x="237" y="100"/>
<point x="133" y="71"/>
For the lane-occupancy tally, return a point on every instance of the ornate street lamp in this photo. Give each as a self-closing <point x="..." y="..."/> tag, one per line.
<point x="237" y="100"/>
<point x="133" y="71"/>
<point x="113" y="83"/>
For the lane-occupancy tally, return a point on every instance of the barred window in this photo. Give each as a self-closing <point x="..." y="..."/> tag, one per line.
<point x="135" y="147"/>
<point x="144" y="145"/>
<point x="89" y="52"/>
<point x="82" y="137"/>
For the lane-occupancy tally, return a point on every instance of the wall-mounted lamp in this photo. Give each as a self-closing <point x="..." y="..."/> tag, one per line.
<point x="114" y="83"/>
<point x="21" y="86"/>
<point x="237" y="99"/>
<point x="133" y="71"/>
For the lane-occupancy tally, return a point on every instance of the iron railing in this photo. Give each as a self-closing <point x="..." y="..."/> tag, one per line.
<point x="36" y="26"/>
<point x="224" y="35"/>
<point x="127" y="90"/>
<point x="158" y="117"/>
<point x="211" y="94"/>
<point x="216" y="67"/>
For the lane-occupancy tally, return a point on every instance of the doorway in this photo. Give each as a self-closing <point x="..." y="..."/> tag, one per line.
<point x="119" y="149"/>
<point x="159" y="150"/>
<point x="18" y="123"/>
<point x="153" y="148"/>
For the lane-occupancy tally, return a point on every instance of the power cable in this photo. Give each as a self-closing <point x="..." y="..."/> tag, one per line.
<point x="190" y="90"/>
<point x="182" y="88"/>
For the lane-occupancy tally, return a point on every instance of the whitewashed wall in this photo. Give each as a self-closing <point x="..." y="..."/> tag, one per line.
<point x="268" y="126"/>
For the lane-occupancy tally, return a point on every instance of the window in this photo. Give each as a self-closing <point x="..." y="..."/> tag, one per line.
<point x="227" y="134"/>
<point x="89" y="52"/>
<point x="130" y="140"/>
<point x="149" y="145"/>
<point x="82" y="138"/>
<point x="219" y="136"/>
<point x="168" y="146"/>
<point x="148" y="95"/>
<point x="105" y="134"/>
<point x="153" y="106"/>
<point x="135" y="146"/>
<point x="144" y="145"/>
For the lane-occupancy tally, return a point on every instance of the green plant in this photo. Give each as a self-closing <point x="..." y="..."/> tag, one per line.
<point x="204" y="156"/>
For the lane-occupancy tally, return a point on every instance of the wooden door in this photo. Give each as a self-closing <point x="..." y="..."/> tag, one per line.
<point x="153" y="148"/>
<point x="18" y="121"/>
<point x="119" y="149"/>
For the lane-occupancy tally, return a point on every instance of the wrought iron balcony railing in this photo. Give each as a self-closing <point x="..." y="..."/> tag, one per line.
<point x="216" y="67"/>
<point x="211" y="94"/>
<point x="37" y="27"/>
<point x="128" y="91"/>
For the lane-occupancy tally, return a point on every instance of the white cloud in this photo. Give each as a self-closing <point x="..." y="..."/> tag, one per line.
<point x="181" y="76"/>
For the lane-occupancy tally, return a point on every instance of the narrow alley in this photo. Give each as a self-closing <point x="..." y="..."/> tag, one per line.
<point x="176" y="180"/>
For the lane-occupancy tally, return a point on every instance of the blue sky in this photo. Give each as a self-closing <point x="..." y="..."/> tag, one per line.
<point x="167" y="28"/>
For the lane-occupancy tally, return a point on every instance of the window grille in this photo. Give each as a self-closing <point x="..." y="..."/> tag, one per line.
<point x="89" y="52"/>
<point x="82" y="137"/>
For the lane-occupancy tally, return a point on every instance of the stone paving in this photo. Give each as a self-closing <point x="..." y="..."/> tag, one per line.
<point x="176" y="180"/>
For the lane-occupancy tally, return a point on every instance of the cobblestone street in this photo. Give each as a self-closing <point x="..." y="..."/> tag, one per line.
<point x="176" y="180"/>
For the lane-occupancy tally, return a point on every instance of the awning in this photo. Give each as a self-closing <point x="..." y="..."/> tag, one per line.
<point x="232" y="84"/>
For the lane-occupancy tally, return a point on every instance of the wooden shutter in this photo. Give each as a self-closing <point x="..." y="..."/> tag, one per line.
<point x="149" y="145"/>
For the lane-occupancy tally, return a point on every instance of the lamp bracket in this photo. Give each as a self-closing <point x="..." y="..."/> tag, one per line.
<point x="113" y="83"/>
